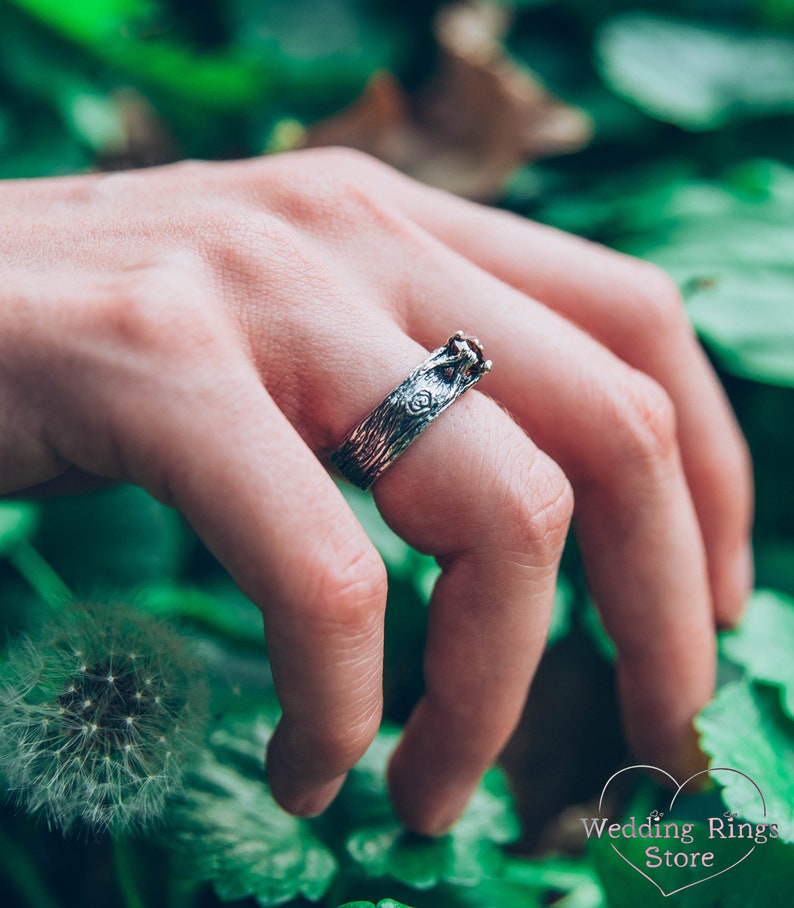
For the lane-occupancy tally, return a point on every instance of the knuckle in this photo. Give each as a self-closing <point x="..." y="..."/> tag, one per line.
<point x="343" y="185"/>
<point x="131" y="316"/>
<point x="110" y="185"/>
<point x="244" y="243"/>
<point x="540" y="503"/>
<point x="342" y="747"/>
<point x="119" y="185"/>
<point x="551" y="506"/>
<point x="645" y="418"/>
<point x="156" y="309"/>
<point x="343" y="165"/>
<point x="349" y="593"/>
<point x="335" y="742"/>
<point x="660" y="307"/>
<point x="350" y="161"/>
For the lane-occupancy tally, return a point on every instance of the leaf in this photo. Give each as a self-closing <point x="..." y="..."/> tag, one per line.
<point x="315" y="46"/>
<point x="18" y="520"/>
<point x="119" y="537"/>
<point x="383" y="903"/>
<point x="522" y="883"/>
<point x="380" y="846"/>
<point x="479" y="118"/>
<point x="564" y="598"/>
<point x="550" y="877"/>
<point x="745" y="728"/>
<point x="765" y="878"/>
<point x="774" y="559"/>
<point x="231" y="616"/>
<point x="696" y="76"/>
<point x="494" y="893"/>
<point x="235" y="835"/>
<point x="764" y="643"/>
<point x="90" y="20"/>
<point x="730" y="251"/>
<point x="121" y="33"/>
<point x="402" y="561"/>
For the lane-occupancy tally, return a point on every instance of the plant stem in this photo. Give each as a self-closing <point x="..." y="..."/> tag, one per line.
<point x="123" y="865"/>
<point x="38" y="573"/>
<point x="182" y="889"/>
<point x="24" y="877"/>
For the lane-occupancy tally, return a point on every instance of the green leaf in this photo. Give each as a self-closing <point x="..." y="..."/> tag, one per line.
<point x="118" y="32"/>
<point x="696" y="76"/>
<point x="232" y="616"/>
<point x="764" y="644"/>
<point x="744" y="728"/>
<point x="90" y="20"/>
<point x="565" y="882"/>
<point x="774" y="559"/>
<point x="522" y="883"/>
<point x="120" y="537"/>
<point x="764" y="878"/>
<point x="564" y="598"/>
<point x="730" y="251"/>
<point x="495" y="893"/>
<point x="402" y="561"/>
<point x="18" y="520"/>
<point x="775" y="12"/>
<point x="381" y="847"/>
<point x="342" y="42"/>
<point x="383" y="903"/>
<point x="727" y="244"/>
<point x="233" y="832"/>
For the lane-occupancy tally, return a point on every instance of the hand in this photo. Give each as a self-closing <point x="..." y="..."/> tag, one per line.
<point x="212" y="331"/>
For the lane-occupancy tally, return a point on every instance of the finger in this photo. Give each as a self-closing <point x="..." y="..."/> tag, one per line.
<point x="202" y="435"/>
<point x="477" y="494"/>
<point x="612" y="431"/>
<point x="297" y="551"/>
<point x="635" y="310"/>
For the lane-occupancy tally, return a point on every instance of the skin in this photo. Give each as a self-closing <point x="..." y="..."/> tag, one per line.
<point x="212" y="331"/>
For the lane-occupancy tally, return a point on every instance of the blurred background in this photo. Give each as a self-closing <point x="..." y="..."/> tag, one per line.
<point x="664" y="129"/>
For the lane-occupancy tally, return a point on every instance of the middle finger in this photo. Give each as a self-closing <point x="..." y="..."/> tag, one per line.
<point x="612" y="429"/>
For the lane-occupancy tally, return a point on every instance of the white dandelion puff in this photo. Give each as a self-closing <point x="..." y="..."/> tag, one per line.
<point x="82" y="743"/>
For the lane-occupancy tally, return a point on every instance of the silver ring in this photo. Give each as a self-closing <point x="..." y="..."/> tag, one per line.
<point x="379" y="439"/>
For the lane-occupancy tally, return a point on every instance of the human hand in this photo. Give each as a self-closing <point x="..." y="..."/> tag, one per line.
<point x="212" y="331"/>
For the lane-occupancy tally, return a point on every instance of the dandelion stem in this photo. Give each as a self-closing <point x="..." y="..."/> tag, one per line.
<point x="123" y="864"/>
<point x="183" y="891"/>
<point x="17" y="867"/>
<point x="38" y="572"/>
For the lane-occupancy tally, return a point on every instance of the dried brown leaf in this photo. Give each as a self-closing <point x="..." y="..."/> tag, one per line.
<point x="479" y="118"/>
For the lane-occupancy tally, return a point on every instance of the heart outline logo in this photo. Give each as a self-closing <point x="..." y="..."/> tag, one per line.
<point x="679" y="789"/>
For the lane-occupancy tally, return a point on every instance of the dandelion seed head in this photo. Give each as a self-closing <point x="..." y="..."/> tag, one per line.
<point x="82" y="744"/>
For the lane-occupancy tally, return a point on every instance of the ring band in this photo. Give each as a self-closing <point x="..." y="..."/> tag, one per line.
<point x="379" y="439"/>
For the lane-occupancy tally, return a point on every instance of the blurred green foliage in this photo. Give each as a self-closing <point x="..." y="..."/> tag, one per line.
<point x="691" y="166"/>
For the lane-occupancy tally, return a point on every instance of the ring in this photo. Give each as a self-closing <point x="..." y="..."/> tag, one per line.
<point x="379" y="439"/>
